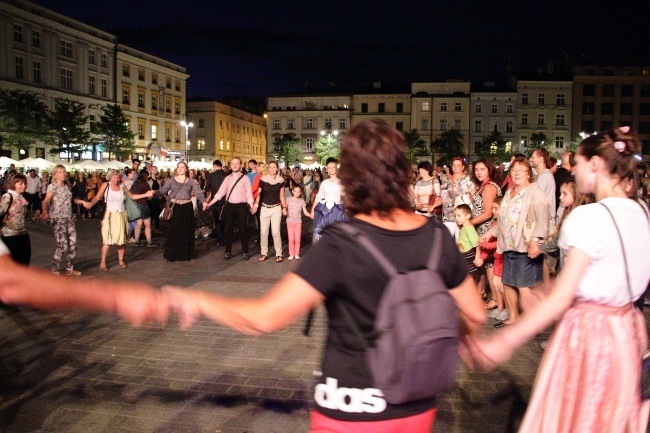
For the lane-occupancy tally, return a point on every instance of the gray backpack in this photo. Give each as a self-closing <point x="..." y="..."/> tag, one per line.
<point x="413" y="353"/>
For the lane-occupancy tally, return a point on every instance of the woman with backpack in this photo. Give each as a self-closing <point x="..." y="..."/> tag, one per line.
<point x="337" y="272"/>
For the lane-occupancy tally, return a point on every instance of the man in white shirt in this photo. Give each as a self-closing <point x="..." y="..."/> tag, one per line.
<point x="33" y="196"/>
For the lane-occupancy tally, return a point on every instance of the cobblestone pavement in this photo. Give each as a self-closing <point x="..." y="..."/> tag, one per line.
<point x="73" y="372"/>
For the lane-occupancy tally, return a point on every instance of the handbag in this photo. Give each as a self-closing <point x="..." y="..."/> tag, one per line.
<point x="229" y="194"/>
<point x="132" y="209"/>
<point x="645" y="357"/>
<point x="167" y="212"/>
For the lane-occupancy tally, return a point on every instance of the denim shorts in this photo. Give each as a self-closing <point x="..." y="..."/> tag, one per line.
<point x="519" y="270"/>
<point x="145" y="212"/>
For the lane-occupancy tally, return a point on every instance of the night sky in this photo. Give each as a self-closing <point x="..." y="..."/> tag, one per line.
<point x="258" y="48"/>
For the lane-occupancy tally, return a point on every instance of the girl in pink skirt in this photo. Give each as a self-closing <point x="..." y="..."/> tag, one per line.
<point x="590" y="376"/>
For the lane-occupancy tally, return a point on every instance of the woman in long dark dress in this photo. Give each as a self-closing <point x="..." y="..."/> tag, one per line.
<point x="179" y="245"/>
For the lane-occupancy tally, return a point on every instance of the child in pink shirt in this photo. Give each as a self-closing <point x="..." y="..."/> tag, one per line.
<point x="294" y="221"/>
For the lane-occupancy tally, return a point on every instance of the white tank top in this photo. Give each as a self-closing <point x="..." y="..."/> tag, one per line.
<point x="114" y="200"/>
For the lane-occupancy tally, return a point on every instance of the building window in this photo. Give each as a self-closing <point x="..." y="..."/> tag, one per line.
<point x="141" y="130"/>
<point x="559" y="142"/>
<point x="509" y="125"/>
<point x="399" y="108"/>
<point x="399" y="126"/>
<point x="200" y="144"/>
<point x="154" y="102"/>
<point x="524" y="98"/>
<point x="627" y="90"/>
<point x="168" y="82"/>
<point x="276" y="123"/>
<point x="559" y="120"/>
<point x="560" y="99"/>
<point x="20" y="68"/>
<point x="510" y="109"/>
<point x="343" y="123"/>
<point x="125" y="95"/>
<point x="364" y="107"/>
<point x="458" y="106"/>
<point x="628" y="72"/>
<point x="309" y="143"/>
<point x="587" y="126"/>
<point x="524" y="118"/>
<point x="607" y="108"/>
<point x="443" y="124"/>
<point x="425" y="124"/>
<point x="178" y="85"/>
<point x="587" y="108"/>
<point x="201" y="123"/>
<point x="103" y="58"/>
<point x="645" y="90"/>
<point x="91" y="85"/>
<point x="140" y="98"/>
<point x="644" y="109"/>
<point x="524" y="141"/>
<point x="91" y="57"/>
<point x="66" y="49"/>
<point x="177" y="135"/>
<point x="494" y="109"/>
<point x="478" y="125"/>
<point x="606" y="125"/>
<point x="457" y="124"/>
<point x="644" y="128"/>
<point x="104" y="88"/>
<point x="540" y="118"/>
<point x="18" y="33"/>
<point x="607" y="90"/>
<point x="141" y="74"/>
<point x="443" y="106"/>
<point x="425" y="106"/>
<point x="126" y="70"/>
<point x="177" y="107"/>
<point x="154" y="78"/>
<point x="36" y="39"/>
<point x="66" y="79"/>
<point x="381" y="108"/>
<point x="168" y="105"/>
<point x="168" y="134"/>
<point x="328" y="123"/>
<point x="589" y="90"/>
<point x="154" y="132"/>
<point x="541" y="99"/>
<point x="478" y="108"/>
<point x="290" y="123"/>
<point x="38" y="75"/>
<point x="309" y="123"/>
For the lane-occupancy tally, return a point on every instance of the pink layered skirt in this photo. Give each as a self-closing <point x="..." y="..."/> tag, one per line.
<point x="590" y="376"/>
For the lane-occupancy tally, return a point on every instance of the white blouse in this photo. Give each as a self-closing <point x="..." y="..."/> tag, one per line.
<point x="330" y="193"/>
<point x="114" y="200"/>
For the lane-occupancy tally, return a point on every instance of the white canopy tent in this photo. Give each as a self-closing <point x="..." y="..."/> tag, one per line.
<point x="6" y="162"/>
<point x="39" y="163"/>
<point x="113" y="164"/>
<point x="89" y="165"/>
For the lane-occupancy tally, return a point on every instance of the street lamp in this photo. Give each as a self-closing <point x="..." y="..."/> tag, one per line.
<point x="187" y="126"/>
<point x="329" y="136"/>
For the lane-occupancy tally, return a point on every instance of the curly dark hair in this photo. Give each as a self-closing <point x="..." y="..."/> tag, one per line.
<point x="375" y="172"/>
<point x="621" y="163"/>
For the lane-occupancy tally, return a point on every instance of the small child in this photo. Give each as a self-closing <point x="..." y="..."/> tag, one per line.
<point x="467" y="238"/>
<point x="495" y="273"/>
<point x="294" y="221"/>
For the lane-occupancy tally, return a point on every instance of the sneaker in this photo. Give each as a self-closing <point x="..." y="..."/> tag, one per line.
<point x="151" y="245"/>
<point x="227" y="256"/>
<point x="297" y="257"/>
<point x="138" y="244"/>
<point x="503" y="315"/>
<point x="245" y="256"/>
<point x="72" y="273"/>
<point x="290" y="258"/>
<point x="494" y="312"/>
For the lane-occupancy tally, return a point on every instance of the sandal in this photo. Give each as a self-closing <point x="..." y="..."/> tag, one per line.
<point x="278" y="259"/>
<point x="72" y="272"/>
<point x="122" y="264"/>
<point x="262" y="258"/>
<point x="103" y="267"/>
<point x="491" y="304"/>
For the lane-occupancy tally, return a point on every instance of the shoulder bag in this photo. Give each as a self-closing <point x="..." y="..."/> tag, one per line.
<point x="132" y="209"/>
<point x="168" y="211"/>
<point x="645" y="357"/>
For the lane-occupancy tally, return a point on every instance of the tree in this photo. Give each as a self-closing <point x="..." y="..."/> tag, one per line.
<point x="66" y="125"/>
<point x="327" y="146"/>
<point x="538" y="139"/>
<point x="113" y="132"/>
<point x="448" y="146"/>
<point x="414" y="146"/>
<point x="493" y="148"/>
<point x="23" y="113"/>
<point x="287" y="149"/>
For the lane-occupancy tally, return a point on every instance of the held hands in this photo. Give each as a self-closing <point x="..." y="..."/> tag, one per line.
<point x="533" y="249"/>
<point x="284" y="211"/>
<point x="45" y="215"/>
<point x="205" y="206"/>
<point x="478" y="262"/>
<point x="485" y="238"/>
<point x="149" y="193"/>
<point x="184" y="305"/>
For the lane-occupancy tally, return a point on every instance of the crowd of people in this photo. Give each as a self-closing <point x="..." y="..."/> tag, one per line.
<point x="537" y="244"/>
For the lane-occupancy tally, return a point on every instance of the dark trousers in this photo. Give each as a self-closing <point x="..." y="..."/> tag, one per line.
<point x="218" y="223"/>
<point x="231" y="212"/>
